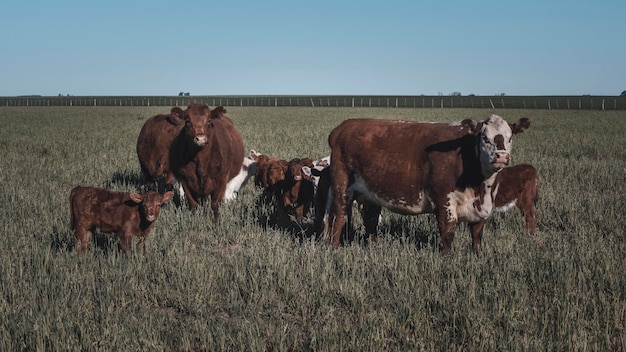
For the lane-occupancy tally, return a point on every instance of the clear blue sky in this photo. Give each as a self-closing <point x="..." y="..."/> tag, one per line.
<point x="114" y="47"/>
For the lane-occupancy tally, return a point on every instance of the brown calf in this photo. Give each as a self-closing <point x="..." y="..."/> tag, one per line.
<point x="515" y="186"/>
<point x="128" y="214"/>
<point x="298" y="188"/>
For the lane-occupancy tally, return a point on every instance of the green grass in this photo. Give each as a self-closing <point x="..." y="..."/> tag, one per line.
<point x="240" y="285"/>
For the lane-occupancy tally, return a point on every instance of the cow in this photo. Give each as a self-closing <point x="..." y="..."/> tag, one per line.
<point x="414" y="168"/>
<point x="206" y="154"/>
<point x="516" y="186"/>
<point x="248" y="168"/>
<point x="298" y="188"/>
<point x="153" y="145"/>
<point x="127" y="214"/>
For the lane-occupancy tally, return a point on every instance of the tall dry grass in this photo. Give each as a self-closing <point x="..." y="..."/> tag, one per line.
<point x="244" y="285"/>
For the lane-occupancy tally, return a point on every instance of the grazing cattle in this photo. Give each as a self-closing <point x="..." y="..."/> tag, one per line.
<point x="206" y="154"/>
<point x="153" y="145"/>
<point x="516" y="186"/>
<point x="248" y="168"/>
<point x="128" y="214"/>
<point x="298" y="188"/>
<point x="415" y="167"/>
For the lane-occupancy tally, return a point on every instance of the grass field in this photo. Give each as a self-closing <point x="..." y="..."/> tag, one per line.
<point x="243" y="286"/>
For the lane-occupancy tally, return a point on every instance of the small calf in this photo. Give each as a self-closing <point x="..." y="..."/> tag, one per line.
<point x="128" y="214"/>
<point x="514" y="186"/>
<point x="518" y="186"/>
<point x="298" y="188"/>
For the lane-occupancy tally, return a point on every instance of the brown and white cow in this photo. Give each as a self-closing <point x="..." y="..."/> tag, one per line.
<point x="206" y="154"/>
<point x="127" y="214"/>
<point x="153" y="145"/>
<point x="515" y="186"/>
<point x="417" y="167"/>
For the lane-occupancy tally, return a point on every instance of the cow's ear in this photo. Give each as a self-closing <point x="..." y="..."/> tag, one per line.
<point x="471" y="126"/>
<point x="521" y="125"/>
<point x="218" y="112"/>
<point x="176" y="115"/>
<point x="167" y="197"/>
<point x="136" y="197"/>
<point x="307" y="171"/>
<point x="254" y="154"/>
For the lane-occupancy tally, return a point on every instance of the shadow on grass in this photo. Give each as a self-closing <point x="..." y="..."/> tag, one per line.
<point x="62" y="241"/>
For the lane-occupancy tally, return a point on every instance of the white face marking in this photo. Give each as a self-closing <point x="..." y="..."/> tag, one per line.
<point x="494" y="126"/>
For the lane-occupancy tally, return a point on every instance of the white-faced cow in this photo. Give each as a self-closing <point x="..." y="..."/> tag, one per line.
<point x="153" y="145"/>
<point x="206" y="154"/>
<point x="415" y="168"/>
<point x="127" y="214"/>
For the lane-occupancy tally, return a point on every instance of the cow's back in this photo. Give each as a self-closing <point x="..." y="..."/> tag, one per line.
<point x="94" y="207"/>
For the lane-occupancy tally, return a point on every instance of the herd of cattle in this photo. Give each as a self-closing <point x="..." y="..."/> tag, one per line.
<point x="458" y="171"/>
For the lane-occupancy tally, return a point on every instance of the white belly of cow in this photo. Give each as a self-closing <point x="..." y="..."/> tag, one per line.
<point x="401" y="206"/>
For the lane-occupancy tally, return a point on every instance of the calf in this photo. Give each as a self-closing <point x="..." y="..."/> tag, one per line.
<point x="128" y="214"/>
<point x="298" y="188"/>
<point x="515" y="186"/>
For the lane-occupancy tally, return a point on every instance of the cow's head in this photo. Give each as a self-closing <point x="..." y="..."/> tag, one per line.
<point x="495" y="140"/>
<point x="150" y="203"/>
<point x="276" y="171"/>
<point x="197" y="123"/>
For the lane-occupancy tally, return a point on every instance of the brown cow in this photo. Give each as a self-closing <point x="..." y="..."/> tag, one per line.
<point x="298" y="188"/>
<point x="128" y="214"/>
<point x="206" y="154"/>
<point x="415" y="168"/>
<point x="515" y="186"/>
<point x="153" y="145"/>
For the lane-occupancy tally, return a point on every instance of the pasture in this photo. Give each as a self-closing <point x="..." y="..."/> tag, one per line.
<point x="242" y="285"/>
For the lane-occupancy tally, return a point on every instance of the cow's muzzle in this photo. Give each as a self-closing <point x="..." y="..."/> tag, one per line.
<point x="501" y="159"/>
<point x="200" y="140"/>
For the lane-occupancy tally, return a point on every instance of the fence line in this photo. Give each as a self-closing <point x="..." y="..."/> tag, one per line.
<point x="507" y="102"/>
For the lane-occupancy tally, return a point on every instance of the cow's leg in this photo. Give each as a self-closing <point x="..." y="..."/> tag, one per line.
<point x="126" y="242"/>
<point x="447" y="228"/>
<point x="193" y="202"/>
<point x="82" y="237"/>
<point x="476" y="229"/>
<point x="216" y="199"/>
<point x="529" y="214"/>
<point x="371" y="214"/>
<point x="141" y="246"/>
<point x="340" y="201"/>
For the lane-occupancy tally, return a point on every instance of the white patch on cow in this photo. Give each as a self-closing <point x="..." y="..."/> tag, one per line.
<point x="401" y="206"/>
<point x="505" y="207"/>
<point x="248" y="168"/>
<point x="462" y="205"/>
